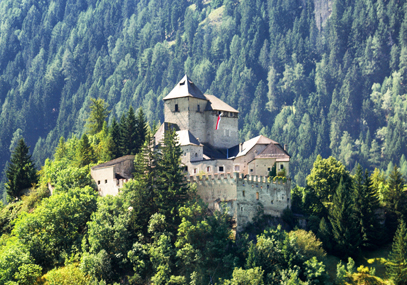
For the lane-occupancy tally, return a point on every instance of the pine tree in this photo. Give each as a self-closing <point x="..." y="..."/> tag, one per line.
<point x="60" y="151"/>
<point x="129" y="133"/>
<point x="345" y="230"/>
<point x="114" y="132"/>
<point x="395" y="200"/>
<point x="84" y="153"/>
<point x="141" y="130"/>
<point x="366" y="204"/>
<point x="172" y="190"/>
<point x="397" y="261"/>
<point x="98" y="115"/>
<point x="21" y="173"/>
<point x="122" y="129"/>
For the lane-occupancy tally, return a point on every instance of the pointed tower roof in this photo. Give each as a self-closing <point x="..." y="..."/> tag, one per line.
<point x="185" y="88"/>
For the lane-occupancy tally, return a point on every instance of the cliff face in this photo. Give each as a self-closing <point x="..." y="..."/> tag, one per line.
<point x="323" y="9"/>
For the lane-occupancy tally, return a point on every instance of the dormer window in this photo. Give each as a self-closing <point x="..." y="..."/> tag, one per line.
<point x="182" y="83"/>
<point x="176" y="108"/>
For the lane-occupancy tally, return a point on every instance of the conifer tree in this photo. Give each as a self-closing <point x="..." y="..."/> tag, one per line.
<point x="395" y="200"/>
<point x="114" y="132"/>
<point x="61" y="150"/>
<point x="397" y="260"/>
<point x="84" y="153"/>
<point x="366" y="204"/>
<point x="345" y="231"/>
<point x="172" y="190"/>
<point x="142" y="193"/>
<point x="122" y="141"/>
<point x="141" y="130"/>
<point x="21" y="173"/>
<point x="98" y="115"/>
<point x="129" y="133"/>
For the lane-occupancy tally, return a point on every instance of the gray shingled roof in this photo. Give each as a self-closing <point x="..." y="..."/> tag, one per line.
<point x="186" y="138"/>
<point x="114" y="162"/>
<point x="274" y="151"/>
<point x="185" y="88"/>
<point x="218" y="105"/>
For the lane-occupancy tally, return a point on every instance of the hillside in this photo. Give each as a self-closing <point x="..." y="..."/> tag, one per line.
<point x="336" y="88"/>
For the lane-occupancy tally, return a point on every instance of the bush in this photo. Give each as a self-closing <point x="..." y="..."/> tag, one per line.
<point x="66" y="275"/>
<point x="308" y="244"/>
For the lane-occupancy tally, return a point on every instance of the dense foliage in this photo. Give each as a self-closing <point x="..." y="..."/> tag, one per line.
<point x="322" y="85"/>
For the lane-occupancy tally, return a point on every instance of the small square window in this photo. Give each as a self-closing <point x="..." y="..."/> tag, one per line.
<point x="281" y="166"/>
<point x="208" y="169"/>
<point x="98" y="182"/>
<point x="237" y="168"/>
<point x="243" y="193"/>
<point x="268" y="169"/>
<point x="251" y="170"/>
<point x="186" y="168"/>
<point x="221" y="169"/>
<point x="198" y="108"/>
<point x="195" y="170"/>
<point x="106" y="181"/>
<point x="257" y="195"/>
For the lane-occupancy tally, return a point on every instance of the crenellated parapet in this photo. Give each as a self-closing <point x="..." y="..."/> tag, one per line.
<point x="243" y="194"/>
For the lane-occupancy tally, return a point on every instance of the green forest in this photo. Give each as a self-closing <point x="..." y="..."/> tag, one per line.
<point x="82" y="82"/>
<point x="333" y="88"/>
<point x="157" y="230"/>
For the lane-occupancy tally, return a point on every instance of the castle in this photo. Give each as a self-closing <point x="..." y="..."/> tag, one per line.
<point x="223" y="169"/>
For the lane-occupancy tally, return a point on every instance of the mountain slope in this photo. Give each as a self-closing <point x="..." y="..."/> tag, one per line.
<point x="337" y="90"/>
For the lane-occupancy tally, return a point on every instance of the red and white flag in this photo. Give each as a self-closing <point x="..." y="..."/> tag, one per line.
<point x="218" y="122"/>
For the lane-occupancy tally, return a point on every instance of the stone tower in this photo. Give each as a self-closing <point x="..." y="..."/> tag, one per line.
<point x="188" y="108"/>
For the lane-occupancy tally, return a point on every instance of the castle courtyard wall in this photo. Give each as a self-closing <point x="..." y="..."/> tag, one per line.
<point x="226" y="136"/>
<point x="243" y="196"/>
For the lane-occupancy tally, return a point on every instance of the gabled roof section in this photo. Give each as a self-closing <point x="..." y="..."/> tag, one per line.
<point x="248" y="145"/>
<point x="185" y="88"/>
<point x="186" y="138"/>
<point x="114" y="162"/>
<point x="218" y="105"/>
<point x="274" y="151"/>
<point x="159" y="135"/>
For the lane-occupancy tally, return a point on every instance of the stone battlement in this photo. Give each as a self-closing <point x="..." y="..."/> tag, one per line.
<point x="249" y="179"/>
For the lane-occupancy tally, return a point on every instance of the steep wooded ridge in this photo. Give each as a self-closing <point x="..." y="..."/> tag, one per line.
<point x="336" y="88"/>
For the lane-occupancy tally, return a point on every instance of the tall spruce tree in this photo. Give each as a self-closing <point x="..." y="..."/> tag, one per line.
<point x="172" y="190"/>
<point x="395" y="200"/>
<point x="84" y="153"/>
<point x="129" y="134"/>
<point x="366" y="204"/>
<point x="114" y="131"/>
<point x="141" y="130"/>
<point x="98" y="115"/>
<point x="141" y="194"/>
<point x="122" y="141"/>
<point x="21" y="173"/>
<point x="397" y="260"/>
<point x="345" y="230"/>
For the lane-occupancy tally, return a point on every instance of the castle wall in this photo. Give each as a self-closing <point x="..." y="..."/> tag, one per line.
<point x="179" y="117"/>
<point x="201" y="166"/>
<point x="105" y="181"/>
<point x="227" y="135"/>
<point x="243" y="195"/>
<point x="244" y="161"/>
<point x="197" y="124"/>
